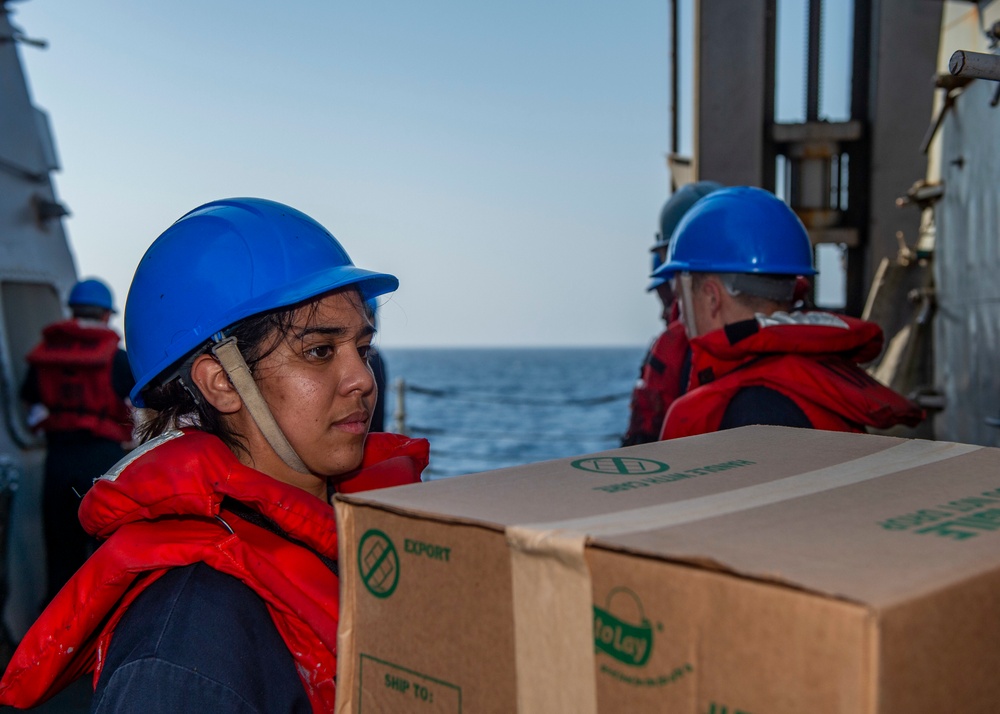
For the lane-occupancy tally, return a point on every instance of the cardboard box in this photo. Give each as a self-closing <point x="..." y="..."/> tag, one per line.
<point x="761" y="570"/>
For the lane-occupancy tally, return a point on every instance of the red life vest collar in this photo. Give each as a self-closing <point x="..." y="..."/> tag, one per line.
<point x="719" y="352"/>
<point x="152" y="482"/>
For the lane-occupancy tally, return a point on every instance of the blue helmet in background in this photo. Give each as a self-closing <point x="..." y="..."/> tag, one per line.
<point x="91" y="293"/>
<point x="671" y="214"/>
<point x="679" y="203"/>
<point x="225" y="261"/>
<point x="741" y="229"/>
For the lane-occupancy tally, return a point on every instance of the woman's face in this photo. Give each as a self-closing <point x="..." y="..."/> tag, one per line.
<point x="320" y="387"/>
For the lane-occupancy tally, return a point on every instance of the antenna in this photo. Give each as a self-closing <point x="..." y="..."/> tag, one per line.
<point x="24" y="39"/>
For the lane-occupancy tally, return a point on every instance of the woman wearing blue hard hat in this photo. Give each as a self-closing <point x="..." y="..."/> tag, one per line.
<point x="216" y="589"/>
<point x="736" y="258"/>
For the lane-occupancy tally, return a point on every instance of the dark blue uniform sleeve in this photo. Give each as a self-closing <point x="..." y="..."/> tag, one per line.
<point x="763" y="405"/>
<point x="30" y="393"/>
<point x="198" y="641"/>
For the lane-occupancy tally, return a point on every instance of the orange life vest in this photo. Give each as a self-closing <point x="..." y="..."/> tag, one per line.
<point x="659" y="384"/>
<point x="74" y="363"/>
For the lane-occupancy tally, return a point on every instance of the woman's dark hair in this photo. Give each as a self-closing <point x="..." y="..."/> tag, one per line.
<point x="178" y="402"/>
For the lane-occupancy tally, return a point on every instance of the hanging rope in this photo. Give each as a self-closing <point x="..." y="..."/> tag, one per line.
<point x="509" y="435"/>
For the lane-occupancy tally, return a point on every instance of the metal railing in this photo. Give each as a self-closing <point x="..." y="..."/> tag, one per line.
<point x="401" y="414"/>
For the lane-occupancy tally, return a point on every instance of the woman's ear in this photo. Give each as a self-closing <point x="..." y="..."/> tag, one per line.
<point x="212" y="381"/>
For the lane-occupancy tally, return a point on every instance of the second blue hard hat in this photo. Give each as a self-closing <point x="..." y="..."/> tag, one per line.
<point x="93" y="293"/>
<point x="740" y="229"/>
<point x="679" y="203"/>
<point x="225" y="261"/>
<point x="670" y="215"/>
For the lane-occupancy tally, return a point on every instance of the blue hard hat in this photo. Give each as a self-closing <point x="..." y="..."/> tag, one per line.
<point x="91" y="292"/>
<point x="225" y="261"/>
<point x="741" y="229"/>
<point x="678" y="205"/>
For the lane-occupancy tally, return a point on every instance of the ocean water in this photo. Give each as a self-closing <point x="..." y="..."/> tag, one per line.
<point x="489" y="408"/>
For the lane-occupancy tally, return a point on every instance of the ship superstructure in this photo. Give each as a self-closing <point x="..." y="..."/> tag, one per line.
<point x="37" y="270"/>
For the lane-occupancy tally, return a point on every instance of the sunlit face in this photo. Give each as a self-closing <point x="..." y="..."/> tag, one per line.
<point x="319" y="385"/>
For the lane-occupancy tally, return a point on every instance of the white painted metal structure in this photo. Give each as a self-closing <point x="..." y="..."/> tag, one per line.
<point x="36" y="272"/>
<point x="967" y="237"/>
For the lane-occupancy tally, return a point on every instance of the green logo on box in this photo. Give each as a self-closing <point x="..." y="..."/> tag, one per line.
<point x="620" y="466"/>
<point x="378" y="563"/>
<point x="626" y="636"/>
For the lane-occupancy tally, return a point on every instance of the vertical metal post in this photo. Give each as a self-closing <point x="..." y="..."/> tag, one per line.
<point x="859" y="166"/>
<point x="400" y="415"/>
<point x="768" y="172"/>
<point x="814" y="52"/>
<point x="674" y="109"/>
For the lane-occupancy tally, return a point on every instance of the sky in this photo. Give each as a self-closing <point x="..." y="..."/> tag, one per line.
<point x="507" y="161"/>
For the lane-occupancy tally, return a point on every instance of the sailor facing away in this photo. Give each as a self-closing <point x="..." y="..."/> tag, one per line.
<point x="754" y="360"/>
<point x="76" y="390"/>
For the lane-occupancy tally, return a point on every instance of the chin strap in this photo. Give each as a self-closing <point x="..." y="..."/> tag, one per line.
<point x="232" y="361"/>
<point x="687" y="305"/>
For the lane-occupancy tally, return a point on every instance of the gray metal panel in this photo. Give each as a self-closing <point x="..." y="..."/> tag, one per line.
<point x="20" y="148"/>
<point x="731" y="91"/>
<point x="967" y="263"/>
<point x="32" y="250"/>
<point x="48" y="142"/>
<point x="905" y="45"/>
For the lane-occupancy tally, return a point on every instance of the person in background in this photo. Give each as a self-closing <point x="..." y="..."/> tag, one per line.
<point x="379" y="370"/>
<point x="664" y="371"/>
<point x="754" y="361"/>
<point x="216" y="586"/>
<point x="76" y="390"/>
